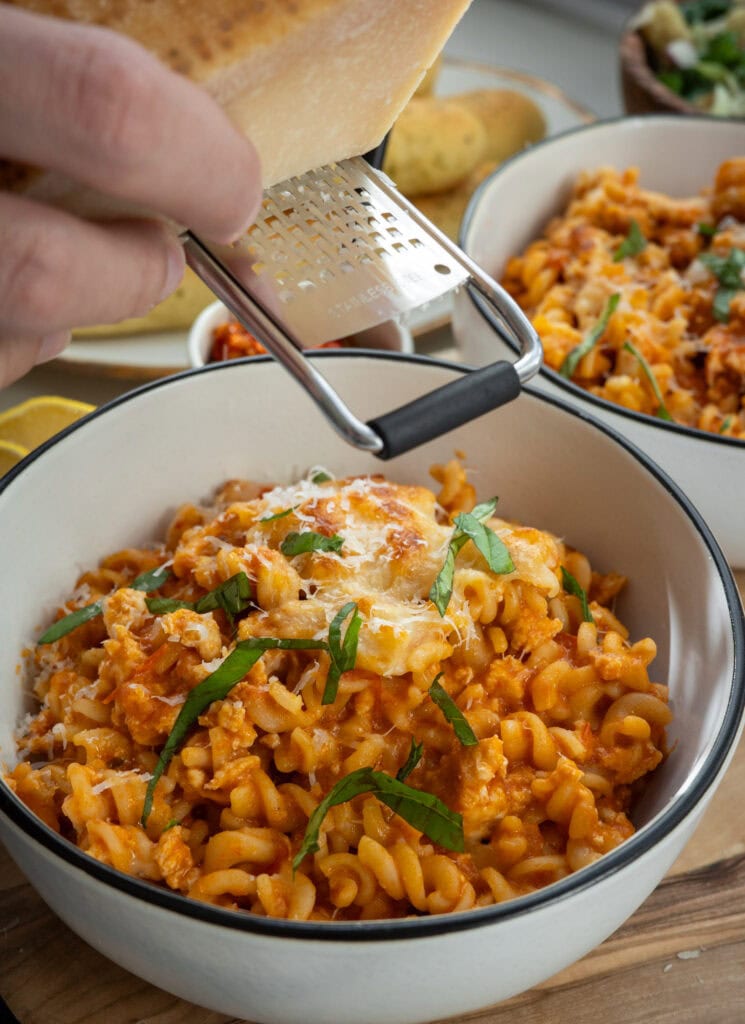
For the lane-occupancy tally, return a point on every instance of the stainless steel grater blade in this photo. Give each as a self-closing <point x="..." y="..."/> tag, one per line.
<point x="339" y="250"/>
<point x="333" y="254"/>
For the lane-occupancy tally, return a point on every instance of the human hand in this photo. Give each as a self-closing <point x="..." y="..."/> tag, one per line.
<point x="97" y="107"/>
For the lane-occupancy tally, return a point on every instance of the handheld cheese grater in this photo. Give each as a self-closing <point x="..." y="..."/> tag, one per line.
<point x="338" y="250"/>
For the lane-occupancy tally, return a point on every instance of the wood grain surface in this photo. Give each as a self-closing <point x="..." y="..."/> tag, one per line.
<point x="680" y="957"/>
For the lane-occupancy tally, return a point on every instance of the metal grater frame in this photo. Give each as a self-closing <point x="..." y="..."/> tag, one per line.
<point x="338" y="250"/>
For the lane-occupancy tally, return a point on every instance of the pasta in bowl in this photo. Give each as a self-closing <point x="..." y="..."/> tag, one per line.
<point x="259" y="775"/>
<point x="362" y="710"/>
<point x="629" y="263"/>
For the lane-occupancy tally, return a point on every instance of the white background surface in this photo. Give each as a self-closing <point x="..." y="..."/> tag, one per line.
<point x="578" y="53"/>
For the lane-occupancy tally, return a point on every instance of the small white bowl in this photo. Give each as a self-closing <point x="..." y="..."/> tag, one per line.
<point x="390" y="336"/>
<point x="554" y="467"/>
<point x="676" y="155"/>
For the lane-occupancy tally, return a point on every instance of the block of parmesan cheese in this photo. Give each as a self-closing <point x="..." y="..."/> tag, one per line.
<point x="309" y="81"/>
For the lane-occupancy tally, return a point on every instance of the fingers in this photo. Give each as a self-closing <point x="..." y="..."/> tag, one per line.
<point x="58" y="272"/>
<point x="19" y="355"/>
<point x="96" y="106"/>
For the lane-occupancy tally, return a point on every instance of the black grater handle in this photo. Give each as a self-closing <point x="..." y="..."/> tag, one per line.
<point x="445" y="408"/>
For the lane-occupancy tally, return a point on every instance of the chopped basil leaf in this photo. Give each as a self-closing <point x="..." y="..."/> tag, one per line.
<point x="343" y="653"/>
<point x="572" y="587"/>
<point x="413" y="759"/>
<point x="146" y="581"/>
<point x="632" y="245"/>
<point x="70" y="622"/>
<point x="163" y="605"/>
<point x="727" y="423"/>
<point x="453" y="713"/>
<point x="470" y="526"/>
<point x="588" y="343"/>
<point x="233" y="596"/>
<point x="422" y="810"/>
<point x="707" y="230"/>
<point x="486" y="540"/>
<point x="728" y="271"/>
<point x="151" y="580"/>
<point x="320" y="477"/>
<point x="721" y="304"/>
<point x="171" y="824"/>
<point x="442" y="588"/>
<point x="662" y="412"/>
<point x="300" y="543"/>
<point x="217" y="686"/>
<point x="278" y="515"/>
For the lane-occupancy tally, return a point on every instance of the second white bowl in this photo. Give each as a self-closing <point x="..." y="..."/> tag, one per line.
<point x="675" y="155"/>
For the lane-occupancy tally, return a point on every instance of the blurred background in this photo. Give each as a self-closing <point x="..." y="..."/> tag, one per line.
<point x="573" y="43"/>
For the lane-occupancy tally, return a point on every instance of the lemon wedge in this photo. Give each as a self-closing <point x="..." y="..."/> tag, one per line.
<point x="36" y="420"/>
<point x="10" y="454"/>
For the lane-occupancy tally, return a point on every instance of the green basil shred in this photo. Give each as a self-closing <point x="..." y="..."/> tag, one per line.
<point x="300" y="543"/>
<point x="470" y="526"/>
<point x="147" y="581"/>
<point x="728" y="271"/>
<point x="233" y="596"/>
<point x="662" y="412"/>
<point x="343" y="653"/>
<point x="278" y="515"/>
<point x="452" y="713"/>
<point x="414" y="757"/>
<point x="588" y="343"/>
<point x="573" y="587"/>
<point x="632" y="245"/>
<point x="423" y="811"/>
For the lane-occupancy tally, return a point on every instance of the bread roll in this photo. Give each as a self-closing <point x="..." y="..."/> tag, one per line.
<point x="511" y="120"/>
<point x="309" y="81"/>
<point x="434" y="145"/>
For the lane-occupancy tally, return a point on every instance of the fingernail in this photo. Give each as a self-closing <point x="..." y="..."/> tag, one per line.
<point x="251" y="195"/>
<point x="174" y="268"/>
<point x="51" y="346"/>
<point x="233" y="236"/>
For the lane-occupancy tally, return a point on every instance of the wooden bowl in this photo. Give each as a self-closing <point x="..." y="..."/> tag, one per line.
<point x="643" y="92"/>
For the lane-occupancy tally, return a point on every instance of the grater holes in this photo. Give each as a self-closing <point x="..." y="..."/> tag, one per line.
<point x="440" y="268"/>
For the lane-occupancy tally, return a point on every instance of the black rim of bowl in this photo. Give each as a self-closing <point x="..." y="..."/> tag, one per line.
<point x="568" y="386"/>
<point x="410" y="928"/>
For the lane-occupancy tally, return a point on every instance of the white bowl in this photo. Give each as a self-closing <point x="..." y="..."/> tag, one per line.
<point x="677" y="155"/>
<point x="390" y="336"/>
<point x="553" y="467"/>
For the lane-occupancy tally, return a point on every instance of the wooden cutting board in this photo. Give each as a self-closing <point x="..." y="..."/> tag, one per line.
<point x="680" y="958"/>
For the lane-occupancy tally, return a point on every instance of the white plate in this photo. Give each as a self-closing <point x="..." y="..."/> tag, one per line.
<point x="148" y="356"/>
